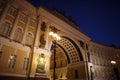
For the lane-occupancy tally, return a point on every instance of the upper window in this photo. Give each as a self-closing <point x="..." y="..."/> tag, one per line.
<point x="23" y="18"/>
<point x="2" y="5"/>
<point x="18" y="34"/>
<point x="32" y="23"/>
<point x="29" y="39"/>
<point x="12" y="11"/>
<point x="5" y="29"/>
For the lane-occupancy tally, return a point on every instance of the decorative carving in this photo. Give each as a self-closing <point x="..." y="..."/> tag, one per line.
<point x="41" y="64"/>
<point x="43" y="26"/>
<point x="81" y="44"/>
<point x="42" y="41"/>
<point x="52" y="28"/>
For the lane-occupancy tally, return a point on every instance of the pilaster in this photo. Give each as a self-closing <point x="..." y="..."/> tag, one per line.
<point x="25" y="31"/>
<point x="4" y="13"/>
<point x="14" y="26"/>
<point x="47" y="37"/>
<point x="38" y="31"/>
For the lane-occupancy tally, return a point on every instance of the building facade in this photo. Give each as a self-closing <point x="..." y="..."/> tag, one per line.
<point x="26" y="47"/>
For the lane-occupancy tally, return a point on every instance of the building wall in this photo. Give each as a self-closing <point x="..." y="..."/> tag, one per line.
<point x="27" y="38"/>
<point x="101" y="57"/>
<point x="18" y="15"/>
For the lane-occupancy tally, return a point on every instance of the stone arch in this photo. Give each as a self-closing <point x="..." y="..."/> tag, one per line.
<point x="75" y="45"/>
<point x="68" y="59"/>
<point x="71" y="50"/>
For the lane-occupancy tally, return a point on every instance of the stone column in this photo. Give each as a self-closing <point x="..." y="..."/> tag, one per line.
<point x="25" y="31"/>
<point x="14" y="26"/>
<point x="38" y="31"/>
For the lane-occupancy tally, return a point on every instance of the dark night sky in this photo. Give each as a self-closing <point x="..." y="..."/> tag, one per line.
<point x="99" y="19"/>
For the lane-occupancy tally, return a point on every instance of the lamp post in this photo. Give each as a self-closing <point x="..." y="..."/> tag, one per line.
<point x="55" y="37"/>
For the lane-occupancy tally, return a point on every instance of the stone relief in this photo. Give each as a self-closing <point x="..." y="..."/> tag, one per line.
<point x="41" y="64"/>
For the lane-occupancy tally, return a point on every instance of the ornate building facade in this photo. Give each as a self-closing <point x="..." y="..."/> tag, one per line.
<point x="26" y="47"/>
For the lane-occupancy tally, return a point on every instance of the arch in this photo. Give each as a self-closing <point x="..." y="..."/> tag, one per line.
<point x="68" y="59"/>
<point x="71" y="50"/>
<point x="75" y="45"/>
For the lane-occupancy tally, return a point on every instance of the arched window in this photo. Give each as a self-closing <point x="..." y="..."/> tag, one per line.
<point x="29" y="39"/>
<point x="18" y="34"/>
<point x="5" y="29"/>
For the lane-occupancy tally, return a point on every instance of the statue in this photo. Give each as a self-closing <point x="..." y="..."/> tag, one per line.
<point x="43" y="26"/>
<point x="41" y="64"/>
<point x="42" y="41"/>
<point x="91" y="73"/>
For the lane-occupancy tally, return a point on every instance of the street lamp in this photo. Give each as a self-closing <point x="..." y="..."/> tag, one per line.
<point x="113" y="62"/>
<point x="115" y="69"/>
<point x="55" y="37"/>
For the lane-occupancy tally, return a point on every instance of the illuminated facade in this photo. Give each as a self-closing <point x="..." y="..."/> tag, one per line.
<point x="25" y="47"/>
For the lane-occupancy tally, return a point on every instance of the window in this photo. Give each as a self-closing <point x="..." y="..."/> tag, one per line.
<point x="25" y="63"/>
<point x="61" y="75"/>
<point x="18" y="34"/>
<point x="12" y="60"/>
<point x="2" y="4"/>
<point x="12" y="11"/>
<point x="32" y="23"/>
<point x="23" y="18"/>
<point x="76" y="74"/>
<point x="56" y="76"/>
<point x="0" y="54"/>
<point x="5" y="29"/>
<point x="29" y="39"/>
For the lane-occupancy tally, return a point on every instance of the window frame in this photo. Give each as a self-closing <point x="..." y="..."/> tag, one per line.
<point x="25" y="63"/>
<point x="18" y="34"/>
<point x="32" y="23"/>
<point x="23" y="18"/>
<point x="5" y="29"/>
<point x="12" y="61"/>
<point x="29" y="39"/>
<point x="12" y="11"/>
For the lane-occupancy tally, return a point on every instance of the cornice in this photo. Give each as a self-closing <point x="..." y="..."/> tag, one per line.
<point x="62" y="25"/>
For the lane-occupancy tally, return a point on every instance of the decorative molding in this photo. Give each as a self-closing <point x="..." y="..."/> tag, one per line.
<point x="14" y="44"/>
<point x="10" y="74"/>
<point x="38" y="50"/>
